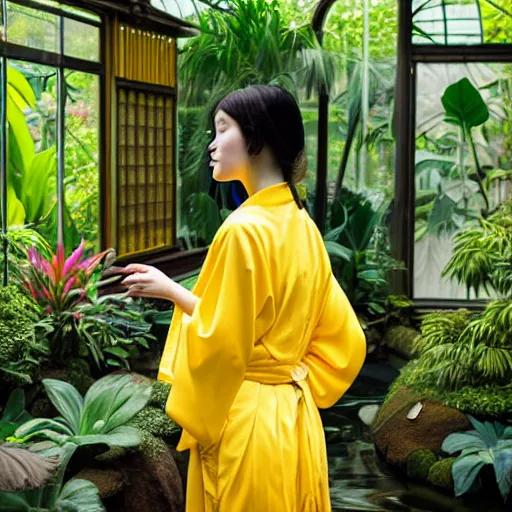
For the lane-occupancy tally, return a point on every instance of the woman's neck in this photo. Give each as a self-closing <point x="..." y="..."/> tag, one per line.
<point x="263" y="173"/>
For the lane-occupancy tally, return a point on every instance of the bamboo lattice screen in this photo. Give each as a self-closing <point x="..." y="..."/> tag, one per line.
<point x="144" y="170"/>
<point x="145" y="140"/>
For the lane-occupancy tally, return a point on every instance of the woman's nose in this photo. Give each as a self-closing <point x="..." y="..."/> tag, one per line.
<point x="212" y="147"/>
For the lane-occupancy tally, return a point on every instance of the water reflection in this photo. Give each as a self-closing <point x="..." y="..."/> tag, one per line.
<point x="359" y="479"/>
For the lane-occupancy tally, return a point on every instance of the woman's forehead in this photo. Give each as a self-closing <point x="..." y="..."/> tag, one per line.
<point x="221" y="116"/>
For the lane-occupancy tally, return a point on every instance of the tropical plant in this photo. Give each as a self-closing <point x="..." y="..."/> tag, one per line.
<point x="466" y="109"/>
<point x="451" y="184"/>
<point x="462" y="350"/>
<point x="58" y="283"/>
<point x="359" y="251"/>
<point x="112" y="327"/>
<point x="99" y="418"/>
<point x="482" y="254"/>
<point x="14" y="414"/>
<point x="488" y="444"/>
<point x="29" y="174"/>
<point x="77" y="495"/>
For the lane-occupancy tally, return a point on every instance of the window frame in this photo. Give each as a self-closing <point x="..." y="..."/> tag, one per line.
<point x="61" y="63"/>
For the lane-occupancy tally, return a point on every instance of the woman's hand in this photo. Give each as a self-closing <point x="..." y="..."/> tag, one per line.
<point x="147" y="281"/>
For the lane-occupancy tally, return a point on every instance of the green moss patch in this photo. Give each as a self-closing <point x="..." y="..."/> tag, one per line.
<point x="420" y="462"/>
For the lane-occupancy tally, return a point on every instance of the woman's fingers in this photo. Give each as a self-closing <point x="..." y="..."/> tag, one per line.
<point x="136" y="268"/>
<point x="133" y="279"/>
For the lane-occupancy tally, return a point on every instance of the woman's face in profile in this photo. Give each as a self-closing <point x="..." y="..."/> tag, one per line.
<point x="228" y="151"/>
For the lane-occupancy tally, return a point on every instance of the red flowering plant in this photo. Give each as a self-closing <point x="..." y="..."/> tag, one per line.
<point x="59" y="284"/>
<point x="78" y="322"/>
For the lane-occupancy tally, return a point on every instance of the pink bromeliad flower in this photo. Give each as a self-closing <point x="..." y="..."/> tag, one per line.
<point x="58" y="283"/>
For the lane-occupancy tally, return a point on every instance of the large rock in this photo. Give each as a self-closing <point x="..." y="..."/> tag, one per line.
<point x="396" y="436"/>
<point x="153" y="482"/>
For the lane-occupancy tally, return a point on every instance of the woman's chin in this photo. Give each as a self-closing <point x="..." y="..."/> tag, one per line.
<point x="218" y="175"/>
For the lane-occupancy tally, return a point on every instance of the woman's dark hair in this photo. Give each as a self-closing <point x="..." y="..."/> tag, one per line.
<point x="269" y="115"/>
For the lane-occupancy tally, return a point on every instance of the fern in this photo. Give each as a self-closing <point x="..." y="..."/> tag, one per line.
<point x="482" y="255"/>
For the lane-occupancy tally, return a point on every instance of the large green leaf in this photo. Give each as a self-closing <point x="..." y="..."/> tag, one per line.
<point x="114" y="400"/>
<point x="19" y="89"/>
<point x="79" y="495"/>
<point x="464" y="105"/>
<point x="335" y="250"/>
<point x="126" y="436"/>
<point x="67" y="400"/>
<point x="464" y="472"/>
<point x="461" y="440"/>
<point x="15" y="209"/>
<point x="15" y="407"/>
<point x="503" y="471"/>
<point x="35" y="426"/>
<point x="20" y="145"/>
<point x="36" y="194"/>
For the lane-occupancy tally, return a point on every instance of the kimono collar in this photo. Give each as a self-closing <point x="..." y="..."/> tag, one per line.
<point x="275" y="195"/>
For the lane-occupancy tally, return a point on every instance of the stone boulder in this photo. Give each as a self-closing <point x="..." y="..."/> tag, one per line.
<point x="397" y="436"/>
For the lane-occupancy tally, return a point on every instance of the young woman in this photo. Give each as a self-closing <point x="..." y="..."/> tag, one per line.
<point x="267" y="336"/>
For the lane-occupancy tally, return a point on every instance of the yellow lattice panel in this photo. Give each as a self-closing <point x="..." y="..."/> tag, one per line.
<point x="144" y="56"/>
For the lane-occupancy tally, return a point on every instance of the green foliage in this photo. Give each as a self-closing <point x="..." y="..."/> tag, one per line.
<point x="18" y="347"/>
<point x="419" y="463"/>
<point x="482" y="254"/>
<point x="488" y="443"/>
<point x="440" y="473"/>
<point x="78" y="322"/>
<point x="441" y="328"/>
<point x="99" y="418"/>
<point x="159" y="394"/>
<point x="459" y="349"/>
<point x="14" y="414"/>
<point x="249" y="43"/>
<point x="112" y="328"/>
<point x="357" y="245"/>
<point x="29" y="173"/>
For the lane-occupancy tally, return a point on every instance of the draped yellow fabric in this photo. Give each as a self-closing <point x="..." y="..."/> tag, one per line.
<point x="272" y="338"/>
<point x="144" y="56"/>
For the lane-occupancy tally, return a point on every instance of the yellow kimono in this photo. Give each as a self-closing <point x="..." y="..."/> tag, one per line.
<point x="272" y="338"/>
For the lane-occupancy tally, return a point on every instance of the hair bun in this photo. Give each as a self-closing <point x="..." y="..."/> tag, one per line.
<point x="300" y="168"/>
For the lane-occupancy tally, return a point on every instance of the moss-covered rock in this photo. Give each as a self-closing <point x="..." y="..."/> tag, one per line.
<point x="419" y="463"/>
<point x="155" y="422"/>
<point x="488" y="401"/>
<point x="159" y="394"/>
<point x="396" y="436"/>
<point x="440" y="473"/>
<point x="152" y="447"/>
<point x="17" y="319"/>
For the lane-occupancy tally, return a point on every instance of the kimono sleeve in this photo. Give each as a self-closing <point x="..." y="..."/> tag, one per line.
<point x="215" y="343"/>
<point x="337" y="350"/>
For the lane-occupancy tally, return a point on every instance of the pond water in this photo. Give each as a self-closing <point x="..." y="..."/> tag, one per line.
<point x="359" y="479"/>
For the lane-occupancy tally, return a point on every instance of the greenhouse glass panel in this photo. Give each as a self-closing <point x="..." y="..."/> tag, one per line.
<point x="32" y="28"/>
<point x="81" y="40"/>
<point x="460" y="175"/>
<point x="81" y="181"/>
<point x="462" y="22"/>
